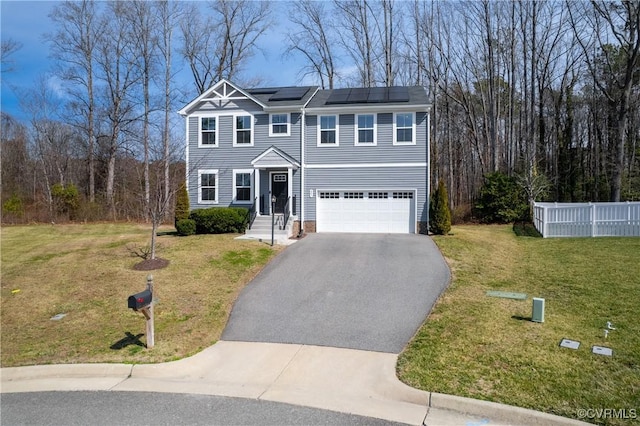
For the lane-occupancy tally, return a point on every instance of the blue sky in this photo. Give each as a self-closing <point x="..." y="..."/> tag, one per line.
<point x="28" y="21"/>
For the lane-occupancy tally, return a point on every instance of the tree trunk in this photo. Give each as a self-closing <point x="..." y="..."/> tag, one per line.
<point x="111" y="175"/>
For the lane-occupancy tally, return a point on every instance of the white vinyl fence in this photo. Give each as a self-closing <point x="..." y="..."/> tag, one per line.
<point x="587" y="219"/>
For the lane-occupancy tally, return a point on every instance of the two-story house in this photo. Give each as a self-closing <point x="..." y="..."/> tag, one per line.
<point x="342" y="160"/>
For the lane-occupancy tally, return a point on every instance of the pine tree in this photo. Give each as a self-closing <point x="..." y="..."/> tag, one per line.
<point x="182" y="204"/>
<point x="439" y="214"/>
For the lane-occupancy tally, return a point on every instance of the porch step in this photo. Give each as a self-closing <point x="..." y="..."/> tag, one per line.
<point x="262" y="227"/>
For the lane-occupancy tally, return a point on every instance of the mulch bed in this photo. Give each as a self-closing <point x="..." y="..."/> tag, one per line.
<point x="151" y="264"/>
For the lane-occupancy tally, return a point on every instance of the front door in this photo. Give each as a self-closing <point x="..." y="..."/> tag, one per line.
<point x="280" y="188"/>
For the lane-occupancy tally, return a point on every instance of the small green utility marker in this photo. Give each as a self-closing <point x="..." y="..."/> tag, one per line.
<point x="507" y="295"/>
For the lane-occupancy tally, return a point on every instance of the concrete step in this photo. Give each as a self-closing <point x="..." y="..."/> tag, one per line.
<point x="261" y="232"/>
<point x="262" y="225"/>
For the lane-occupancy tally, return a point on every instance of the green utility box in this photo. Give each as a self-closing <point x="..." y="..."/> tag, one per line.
<point x="538" y="310"/>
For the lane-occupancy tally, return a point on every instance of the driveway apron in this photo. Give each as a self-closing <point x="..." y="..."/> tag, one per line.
<point x="357" y="291"/>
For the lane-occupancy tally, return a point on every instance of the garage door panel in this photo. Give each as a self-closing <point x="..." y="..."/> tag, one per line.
<point x="366" y="211"/>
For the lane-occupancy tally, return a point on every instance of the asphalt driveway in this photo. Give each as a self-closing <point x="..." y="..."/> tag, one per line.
<point x="356" y="291"/>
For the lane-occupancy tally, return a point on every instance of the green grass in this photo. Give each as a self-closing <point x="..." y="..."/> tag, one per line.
<point x="86" y="271"/>
<point x="487" y="348"/>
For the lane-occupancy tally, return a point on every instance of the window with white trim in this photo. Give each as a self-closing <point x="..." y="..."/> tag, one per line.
<point x="327" y="130"/>
<point x="208" y="186"/>
<point x="208" y="131"/>
<point x="243" y="130"/>
<point x="242" y="186"/>
<point x="279" y="124"/>
<point x="404" y="128"/>
<point x="366" y="129"/>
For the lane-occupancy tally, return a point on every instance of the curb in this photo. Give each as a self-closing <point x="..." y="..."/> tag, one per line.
<point x="498" y="412"/>
<point x="505" y="414"/>
<point x="66" y="371"/>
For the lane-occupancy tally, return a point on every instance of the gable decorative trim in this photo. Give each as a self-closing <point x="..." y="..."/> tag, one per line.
<point x="224" y="91"/>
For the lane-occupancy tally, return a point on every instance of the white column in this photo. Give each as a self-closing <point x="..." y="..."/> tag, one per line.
<point x="290" y="186"/>
<point x="256" y="189"/>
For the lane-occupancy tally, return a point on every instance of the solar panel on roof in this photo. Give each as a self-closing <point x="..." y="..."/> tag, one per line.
<point x="338" y="96"/>
<point x="378" y="95"/>
<point x="289" y="94"/>
<point x="398" y="94"/>
<point x="263" y="91"/>
<point x="359" y="95"/>
<point x="370" y="95"/>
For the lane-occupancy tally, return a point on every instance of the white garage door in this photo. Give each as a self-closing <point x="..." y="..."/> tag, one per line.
<point x="366" y="211"/>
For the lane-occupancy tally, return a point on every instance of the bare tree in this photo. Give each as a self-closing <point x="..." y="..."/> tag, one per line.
<point x="388" y="37"/>
<point x="74" y="45"/>
<point x="314" y="40"/>
<point x="199" y="46"/>
<point x="15" y="164"/>
<point x="9" y="47"/>
<point x="167" y="16"/>
<point x="368" y="35"/>
<point x="357" y="37"/>
<point x="217" y="46"/>
<point x="140" y="19"/>
<point x="117" y="72"/>
<point x="52" y="139"/>
<point x="607" y="23"/>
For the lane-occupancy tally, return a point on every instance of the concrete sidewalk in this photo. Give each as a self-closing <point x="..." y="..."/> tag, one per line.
<point x="344" y="380"/>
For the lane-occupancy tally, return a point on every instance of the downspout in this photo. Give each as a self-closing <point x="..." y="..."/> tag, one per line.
<point x="303" y="164"/>
<point x="428" y="166"/>
<point x="186" y="153"/>
<point x="302" y="169"/>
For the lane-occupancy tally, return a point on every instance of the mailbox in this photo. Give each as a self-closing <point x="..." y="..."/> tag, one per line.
<point x="140" y="300"/>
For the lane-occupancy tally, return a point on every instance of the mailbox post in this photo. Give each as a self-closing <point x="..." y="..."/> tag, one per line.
<point x="149" y="315"/>
<point x="143" y="302"/>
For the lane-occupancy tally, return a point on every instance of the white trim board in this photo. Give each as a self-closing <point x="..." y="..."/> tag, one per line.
<point x="363" y="165"/>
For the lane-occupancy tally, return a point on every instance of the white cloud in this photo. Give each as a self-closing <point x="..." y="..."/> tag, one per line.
<point x="56" y="85"/>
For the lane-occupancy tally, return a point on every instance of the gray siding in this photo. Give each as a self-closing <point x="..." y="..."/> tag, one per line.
<point x="384" y="152"/>
<point x="225" y="157"/>
<point x="272" y="156"/>
<point x="225" y="187"/>
<point x="366" y="178"/>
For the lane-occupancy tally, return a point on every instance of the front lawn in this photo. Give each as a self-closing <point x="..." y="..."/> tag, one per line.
<point x="86" y="272"/>
<point x="487" y="348"/>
